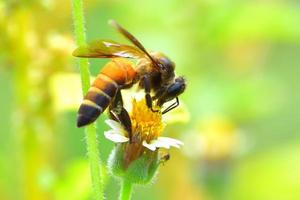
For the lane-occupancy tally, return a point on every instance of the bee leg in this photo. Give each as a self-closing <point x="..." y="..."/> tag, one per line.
<point x="172" y="106"/>
<point x="147" y="86"/>
<point x="119" y="113"/>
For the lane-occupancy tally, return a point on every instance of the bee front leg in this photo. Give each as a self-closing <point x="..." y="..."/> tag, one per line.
<point x="118" y="113"/>
<point x="147" y="86"/>
<point x="171" y="92"/>
<point x="172" y="106"/>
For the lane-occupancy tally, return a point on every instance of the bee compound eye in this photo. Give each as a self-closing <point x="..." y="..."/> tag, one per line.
<point x="161" y="66"/>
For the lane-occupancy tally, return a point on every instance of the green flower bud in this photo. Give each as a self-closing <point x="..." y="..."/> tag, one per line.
<point x="140" y="170"/>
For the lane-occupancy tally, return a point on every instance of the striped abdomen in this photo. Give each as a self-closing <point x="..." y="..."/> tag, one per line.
<point x="113" y="76"/>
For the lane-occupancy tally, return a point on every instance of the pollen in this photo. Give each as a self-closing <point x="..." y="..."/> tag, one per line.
<point x="146" y="124"/>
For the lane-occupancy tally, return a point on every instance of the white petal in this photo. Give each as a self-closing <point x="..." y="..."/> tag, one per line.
<point x="113" y="124"/>
<point x="162" y="144"/>
<point x="165" y="142"/>
<point x="170" y="140"/>
<point x="151" y="146"/>
<point x="115" y="137"/>
<point x="116" y="126"/>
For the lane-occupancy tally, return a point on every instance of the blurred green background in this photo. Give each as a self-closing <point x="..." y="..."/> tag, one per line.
<point x="240" y="117"/>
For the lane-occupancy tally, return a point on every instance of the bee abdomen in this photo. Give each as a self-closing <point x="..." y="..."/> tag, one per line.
<point x="96" y="100"/>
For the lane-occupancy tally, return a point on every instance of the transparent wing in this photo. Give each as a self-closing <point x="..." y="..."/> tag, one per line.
<point x="133" y="40"/>
<point x="108" y="49"/>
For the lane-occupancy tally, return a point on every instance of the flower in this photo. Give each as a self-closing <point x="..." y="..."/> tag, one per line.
<point x="137" y="158"/>
<point x="215" y="139"/>
<point x="146" y="128"/>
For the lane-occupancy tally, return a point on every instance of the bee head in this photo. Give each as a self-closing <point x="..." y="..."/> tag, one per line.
<point x="166" y="66"/>
<point x="173" y="90"/>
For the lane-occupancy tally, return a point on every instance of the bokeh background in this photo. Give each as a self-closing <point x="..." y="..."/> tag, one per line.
<point x="239" y="118"/>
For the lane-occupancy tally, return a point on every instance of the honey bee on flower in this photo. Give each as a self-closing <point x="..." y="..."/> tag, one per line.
<point x="154" y="72"/>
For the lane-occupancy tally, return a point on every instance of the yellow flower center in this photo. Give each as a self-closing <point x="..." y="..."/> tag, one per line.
<point x="146" y="124"/>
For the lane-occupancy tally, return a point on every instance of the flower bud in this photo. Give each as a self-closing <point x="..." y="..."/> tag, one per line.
<point x="141" y="170"/>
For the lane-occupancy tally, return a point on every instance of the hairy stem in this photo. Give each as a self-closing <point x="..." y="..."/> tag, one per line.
<point x="90" y="131"/>
<point x="79" y="31"/>
<point x="126" y="190"/>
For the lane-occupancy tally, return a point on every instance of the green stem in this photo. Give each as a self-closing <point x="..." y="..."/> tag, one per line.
<point x="126" y="190"/>
<point x="79" y="31"/>
<point x="90" y="131"/>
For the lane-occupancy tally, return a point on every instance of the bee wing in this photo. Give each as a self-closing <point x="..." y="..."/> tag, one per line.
<point x="108" y="49"/>
<point x="133" y="40"/>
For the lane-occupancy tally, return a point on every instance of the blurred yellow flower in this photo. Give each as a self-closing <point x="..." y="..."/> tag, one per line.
<point x="219" y="139"/>
<point x="65" y="90"/>
<point x="214" y="139"/>
<point x="61" y="43"/>
<point x="2" y="10"/>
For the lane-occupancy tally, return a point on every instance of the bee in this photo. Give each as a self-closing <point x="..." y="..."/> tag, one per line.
<point x="154" y="72"/>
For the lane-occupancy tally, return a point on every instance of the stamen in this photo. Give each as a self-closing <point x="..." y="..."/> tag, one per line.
<point x="145" y="123"/>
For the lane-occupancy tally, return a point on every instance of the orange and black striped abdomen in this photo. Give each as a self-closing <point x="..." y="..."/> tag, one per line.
<point x="113" y="76"/>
